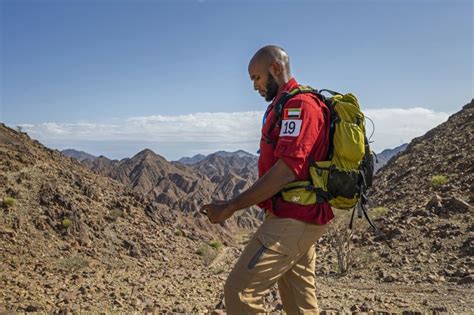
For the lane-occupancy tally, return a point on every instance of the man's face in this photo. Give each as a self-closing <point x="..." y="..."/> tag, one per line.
<point x="272" y="88"/>
<point x="263" y="82"/>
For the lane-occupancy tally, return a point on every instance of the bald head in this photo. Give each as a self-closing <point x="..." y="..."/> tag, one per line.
<point x="269" y="69"/>
<point x="269" y="54"/>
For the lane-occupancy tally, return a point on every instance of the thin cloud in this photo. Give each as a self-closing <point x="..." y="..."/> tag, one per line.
<point x="238" y="130"/>
<point x="395" y="126"/>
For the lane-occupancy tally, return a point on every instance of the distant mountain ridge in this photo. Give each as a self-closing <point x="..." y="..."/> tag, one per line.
<point x="79" y="155"/>
<point x="192" y="160"/>
<point x="82" y="156"/>
<point x="199" y="157"/>
<point x="384" y="156"/>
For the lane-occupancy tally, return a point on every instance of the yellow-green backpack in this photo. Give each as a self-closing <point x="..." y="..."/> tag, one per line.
<point x="343" y="178"/>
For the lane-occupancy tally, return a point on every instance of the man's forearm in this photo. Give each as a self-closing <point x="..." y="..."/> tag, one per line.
<point x="265" y="187"/>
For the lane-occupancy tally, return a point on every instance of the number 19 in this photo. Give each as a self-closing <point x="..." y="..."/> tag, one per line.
<point x="289" y="127"/>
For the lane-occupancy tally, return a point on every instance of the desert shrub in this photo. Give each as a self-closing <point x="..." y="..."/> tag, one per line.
<point x="378" y="212"/>
<point x="66" y="223"/>
<point x="114" y="214"/>
<point x="9" y="202"/>
<point x="340" y="239"/>
<point x="73" y="263"/>
<point x="438" y="180"/>
<point x="216" y="245"/>
<point x="418" y="146"/>
<point x="341" y="242"/>
<point x="207" y="253"/>
<point x="178" y="232"/>
<point x="402" y="159"/>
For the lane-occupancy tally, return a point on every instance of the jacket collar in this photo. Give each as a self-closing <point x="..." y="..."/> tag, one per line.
<point x="290" y="85"/>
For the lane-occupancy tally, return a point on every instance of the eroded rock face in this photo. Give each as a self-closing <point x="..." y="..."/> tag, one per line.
<point x="183" y="187"/>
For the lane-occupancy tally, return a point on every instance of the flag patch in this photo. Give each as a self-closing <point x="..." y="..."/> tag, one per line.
<point x="292" y="113"/>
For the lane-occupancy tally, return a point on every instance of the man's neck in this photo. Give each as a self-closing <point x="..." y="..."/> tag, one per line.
<point x="284" y="83"/>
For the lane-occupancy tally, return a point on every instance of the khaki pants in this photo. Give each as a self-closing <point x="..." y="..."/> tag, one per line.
<point x="283" y="251"/>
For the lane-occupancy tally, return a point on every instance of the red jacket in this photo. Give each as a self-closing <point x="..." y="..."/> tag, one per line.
<point x="304" y="132"/>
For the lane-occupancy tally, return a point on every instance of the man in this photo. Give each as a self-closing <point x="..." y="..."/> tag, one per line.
<point x="282" y="250"/>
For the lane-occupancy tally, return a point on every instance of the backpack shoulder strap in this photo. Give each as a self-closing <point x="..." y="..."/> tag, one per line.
<point x="333" y="93"/>
<point x="285" y="97"/>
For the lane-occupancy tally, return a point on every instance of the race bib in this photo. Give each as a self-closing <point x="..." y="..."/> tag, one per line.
<point x="290" y="128"/>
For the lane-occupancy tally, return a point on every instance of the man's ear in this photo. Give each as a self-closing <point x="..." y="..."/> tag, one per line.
<point x="275" y="68"/>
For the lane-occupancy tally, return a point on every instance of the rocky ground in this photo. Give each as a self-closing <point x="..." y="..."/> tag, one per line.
<point x="387" y="276"/>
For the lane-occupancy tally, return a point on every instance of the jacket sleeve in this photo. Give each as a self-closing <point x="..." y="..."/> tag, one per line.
<point x="302" y="121"/>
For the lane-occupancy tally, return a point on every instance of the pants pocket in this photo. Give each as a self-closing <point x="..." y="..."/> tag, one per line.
<point x="256" y="257"/>
<point x="272" y="240"/>
<point x="269" y="244"/>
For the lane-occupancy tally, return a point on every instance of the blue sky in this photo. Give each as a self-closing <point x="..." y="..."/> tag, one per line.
<point x="113" y="77"/>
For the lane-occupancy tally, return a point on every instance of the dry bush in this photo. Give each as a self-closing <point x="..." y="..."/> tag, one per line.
<point x="340" y="240"/>
<point x="207" y="253"/>
<point x="345" y="242"/>
<point x="340" y="237"/>
<point x="73" y="263"/>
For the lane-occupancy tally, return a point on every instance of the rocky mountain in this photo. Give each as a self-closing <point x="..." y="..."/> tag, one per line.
<point x="79" y="155"/>
<point x="218" y="167"/>
<point x="192" y="160"/>
<point x="238" y="153"/>
<point x="199" y="157"/>
<point x="152" y="175"/>
<point x="384" y="156"/>
<point x="183" y="187"/>
<point x="232" y="174"/>
<point x="73" y="240"/>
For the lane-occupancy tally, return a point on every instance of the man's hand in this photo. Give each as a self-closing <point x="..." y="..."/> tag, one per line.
<point x="218" y="211"/>
<point x="264" y="188"/>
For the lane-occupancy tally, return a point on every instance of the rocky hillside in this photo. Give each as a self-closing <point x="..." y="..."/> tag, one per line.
<point x="73" y="240"/>
<point x="422" y="201"/>
<point x="438" y="163"/>
<point x="428" y="193"/>
<point x="385" y="156"/>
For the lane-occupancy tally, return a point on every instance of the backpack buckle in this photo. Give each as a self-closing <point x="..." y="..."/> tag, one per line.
<point x="309" y="187"/>
<point x="319" y="171"/>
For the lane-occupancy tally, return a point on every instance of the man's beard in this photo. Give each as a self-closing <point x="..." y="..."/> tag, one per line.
<point x="272" y="88"/>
